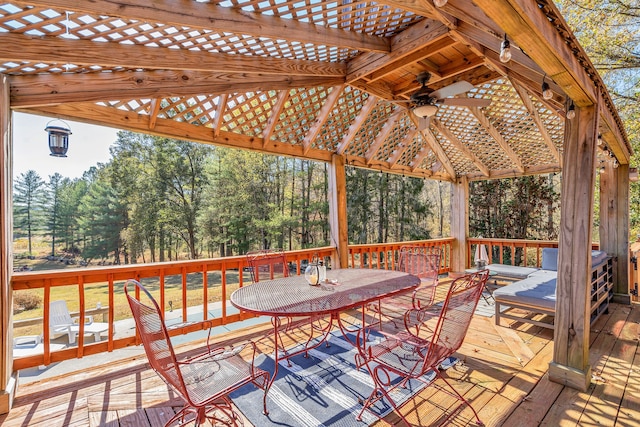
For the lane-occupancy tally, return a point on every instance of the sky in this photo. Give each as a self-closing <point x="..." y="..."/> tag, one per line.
<point x="88" y="146"/>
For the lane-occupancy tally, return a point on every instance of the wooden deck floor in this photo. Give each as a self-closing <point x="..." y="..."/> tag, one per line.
<point x="503" y="374"/>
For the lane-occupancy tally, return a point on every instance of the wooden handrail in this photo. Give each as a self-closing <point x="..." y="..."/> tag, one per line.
<point x="528" y="253"/>
<point x="360" y="256"/>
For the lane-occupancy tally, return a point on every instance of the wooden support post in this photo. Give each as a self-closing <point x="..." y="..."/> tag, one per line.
<point x="338" y="211"/>
<point x="570" y="365"/>
<point x="8" y="381"/>
<point x="614" y="226"/>
<point x="459" y="224"/>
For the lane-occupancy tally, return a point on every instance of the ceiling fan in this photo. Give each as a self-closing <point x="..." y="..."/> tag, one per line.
<point x="425" y="101"/>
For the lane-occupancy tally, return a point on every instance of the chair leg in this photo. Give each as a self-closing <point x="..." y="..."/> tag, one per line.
<point x="460" y="397"/>
<point x="382" y="381"/>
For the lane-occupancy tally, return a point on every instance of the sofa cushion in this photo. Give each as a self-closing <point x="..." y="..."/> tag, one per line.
<point x="539" y="289"/>
<point x="515" y="272"/>
<point x="550" y="259"/>
<point x="598" y="257"/>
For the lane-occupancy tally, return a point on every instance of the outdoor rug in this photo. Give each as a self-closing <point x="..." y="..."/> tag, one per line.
<point x="322" y="390"/>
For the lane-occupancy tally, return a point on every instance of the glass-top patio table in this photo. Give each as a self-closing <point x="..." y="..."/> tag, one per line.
<point x="289" y="297"/>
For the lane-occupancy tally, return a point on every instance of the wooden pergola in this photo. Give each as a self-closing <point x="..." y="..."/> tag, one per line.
<point x="332" y="81"/>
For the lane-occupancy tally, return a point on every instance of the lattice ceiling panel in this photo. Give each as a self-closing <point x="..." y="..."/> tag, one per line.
<point x="48" y="22"/>
<point x="412" y="148"/>
<point x="553" y="123"/>
<point x="299" y="114"/>
<point x="431" y="162"/>
<point x="196" y="110"/>
<point x="464" y="126"/>
<point x="361" y="24"/>
<point x="513" y="121"/>
<point x="370" y="129"/>
<point x="461" y="164"/>
<point x="345" y="110"/>
<point x="139" y="106"/>
<point x="247" y="113"/>
<point x="395" y="140"/>
<point x="362" y="16"/>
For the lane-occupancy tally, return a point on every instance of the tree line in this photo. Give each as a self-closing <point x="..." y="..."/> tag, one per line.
<point x="161" y="199"/>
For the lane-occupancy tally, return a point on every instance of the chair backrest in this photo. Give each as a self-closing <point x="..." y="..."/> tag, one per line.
<point x="155" y="338"/>
<point x="59" y="315"/>
<point x="455" y="317"/>
<point x="268" y="263"/>
<point x="424" y="263"/>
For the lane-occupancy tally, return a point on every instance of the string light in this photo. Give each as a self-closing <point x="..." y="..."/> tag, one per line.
<point x="547" y="94"/>
<point x="439" y="3"/>
<point x="505" y="50"/>
<point x="571" y="112"/>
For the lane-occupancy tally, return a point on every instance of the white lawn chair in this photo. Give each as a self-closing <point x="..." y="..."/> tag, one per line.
<point x="61" y="322"/>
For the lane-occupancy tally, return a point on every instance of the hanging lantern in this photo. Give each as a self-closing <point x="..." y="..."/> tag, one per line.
<point x="59" y="132"/>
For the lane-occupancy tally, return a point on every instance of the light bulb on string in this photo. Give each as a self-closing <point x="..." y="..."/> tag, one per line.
<point x="505" y="50"/>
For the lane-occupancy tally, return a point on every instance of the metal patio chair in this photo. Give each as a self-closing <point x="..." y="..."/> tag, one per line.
<point x="397" y="359"/>
<point x="419" y="261"/>
<point x="205" y="380"/>
<point x="271" y="263"/>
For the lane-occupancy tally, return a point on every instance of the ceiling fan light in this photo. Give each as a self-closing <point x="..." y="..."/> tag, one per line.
<point x="439" y="3"/>
<point x="426" y="110"/>
<point x="505" y="50"/>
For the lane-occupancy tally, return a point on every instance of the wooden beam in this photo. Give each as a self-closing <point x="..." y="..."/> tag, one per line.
<point x="614" y="226"/>
<point x="521" y="67"/>
<point x="153" y="112"/>
<point x="527" y="25"/>
<point x="210" y="16"/>
<point x="8" y="380"/>
<point x="459" y="224"/>
<point x="403" y="45"/>
<point x="433" y="144"/>
<point x="106" y="116"/>
<point x="220" y="108"/>
<point x="40" y="90"/>
<point x="495" y="134"/>
<point x="55" y="50"/>
<point x="402" y="146"/>
<point x="338" y="210"/>
<point x="274" y="115"/>
<point x="617" y="141"/>
<point x="429" y="49"/>
<point x="510" y="173"/>
<point x="460" y="146"/>
<point x="570" y="365"/>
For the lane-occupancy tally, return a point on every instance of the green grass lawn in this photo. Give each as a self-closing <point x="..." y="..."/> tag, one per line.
<point x="99" y="293"/>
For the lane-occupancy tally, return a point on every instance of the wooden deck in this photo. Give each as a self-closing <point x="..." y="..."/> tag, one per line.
<point x="503" y="374"/>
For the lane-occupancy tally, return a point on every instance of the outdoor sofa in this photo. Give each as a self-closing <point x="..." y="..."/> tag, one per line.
<point x="535" y="289"/>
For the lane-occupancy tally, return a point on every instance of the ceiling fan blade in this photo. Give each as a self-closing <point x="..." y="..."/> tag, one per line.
<point x="465" y="102"/>
<point x="452" y="89"/>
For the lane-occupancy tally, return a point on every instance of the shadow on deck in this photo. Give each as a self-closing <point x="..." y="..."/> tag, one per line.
<point x="503" y="374"/>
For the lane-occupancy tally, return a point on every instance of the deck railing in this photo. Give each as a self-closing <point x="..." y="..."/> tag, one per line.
<point x="211" y="280"/>
<point x="196" y="283"/>
<point x="525" y="253"/>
